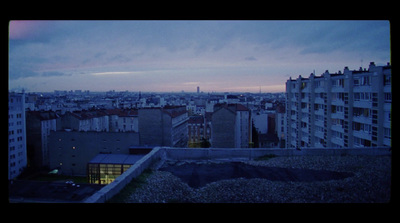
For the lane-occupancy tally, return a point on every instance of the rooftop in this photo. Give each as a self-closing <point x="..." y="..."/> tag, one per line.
<point x="116" y="159"/>
<point x="294" y="176"/>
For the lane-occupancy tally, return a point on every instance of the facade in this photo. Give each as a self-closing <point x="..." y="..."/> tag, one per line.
<point x="17" y="154"/>
<point x="230" y="126"/>
<point x="38" y="125"/>
<point x="199" y="129"/>
<point x="71" y="151"/>
<point x="123" y="120"/>
<point x="84" y="121"/>
<point x="280" y="125"/>
<point x="165" y="126"/>
<point x="349" y="109"/>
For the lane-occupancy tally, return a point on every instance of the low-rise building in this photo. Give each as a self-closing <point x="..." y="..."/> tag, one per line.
<point x="70" y="151"/>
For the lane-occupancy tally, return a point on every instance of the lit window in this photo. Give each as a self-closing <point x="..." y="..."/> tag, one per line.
<point x="73" y="147"/>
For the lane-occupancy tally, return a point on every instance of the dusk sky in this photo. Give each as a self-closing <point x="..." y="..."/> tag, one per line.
<point x="165" y="56"/>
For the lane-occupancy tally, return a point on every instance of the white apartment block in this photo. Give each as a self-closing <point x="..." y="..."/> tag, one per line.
<point x="17" y="156"/>
<point x="349" y="109"/>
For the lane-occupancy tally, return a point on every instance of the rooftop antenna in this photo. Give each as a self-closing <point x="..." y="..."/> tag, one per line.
<point x="361" y="62"/>
<point x="260" y="89"/>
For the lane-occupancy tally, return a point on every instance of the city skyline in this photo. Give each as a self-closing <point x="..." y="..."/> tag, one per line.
<point x="171" y="56"/>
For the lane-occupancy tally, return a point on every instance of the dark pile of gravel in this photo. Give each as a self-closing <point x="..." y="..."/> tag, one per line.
<point x="369" y="181"/>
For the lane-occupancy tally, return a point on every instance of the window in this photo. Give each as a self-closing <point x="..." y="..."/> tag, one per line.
<point x="356" y="96"/>
<point x="73" y="147"/>
<point x="387" y="79"/>
<point x="388" y="97"/>
<point x="365" y="81"/>
<point x="303" y="85"/>
<point x="338" y="83"/>
<point x="387" y="133"/>
<point x="356" y="82"/>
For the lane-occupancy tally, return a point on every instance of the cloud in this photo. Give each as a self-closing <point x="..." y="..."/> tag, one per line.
<point x="54" y="73"/>
<point x="116" y="73"/>
<point x="191" y="83"/>
<point x="167" y="52"/>
<point x="250" y="58"/>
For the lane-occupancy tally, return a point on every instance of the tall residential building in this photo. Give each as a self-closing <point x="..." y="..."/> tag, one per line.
<point x="230" y="126"/>
<point x="17" y="156"/>
<point x="349" y="109"/>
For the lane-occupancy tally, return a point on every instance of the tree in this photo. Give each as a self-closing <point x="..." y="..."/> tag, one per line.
<point x="254" y="136"/>
<point x="205" y="143"/>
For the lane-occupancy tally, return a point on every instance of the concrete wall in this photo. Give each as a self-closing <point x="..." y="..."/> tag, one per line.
<point x="223" y="129"/>
<point x="232" y="153"/>
<point x="150" y="127"/>
<point x="71" y="151"/>
<point x="108" y="191"/>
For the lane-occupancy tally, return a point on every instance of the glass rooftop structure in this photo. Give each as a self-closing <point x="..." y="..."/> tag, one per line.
<point x="105" y="168"/>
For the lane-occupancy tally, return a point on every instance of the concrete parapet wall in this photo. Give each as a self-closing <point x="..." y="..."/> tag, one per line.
<point x="226" y="153"/>
<point x="108" y="191"/>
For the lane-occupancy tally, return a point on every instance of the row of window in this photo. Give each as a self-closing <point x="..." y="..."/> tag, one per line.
<point x="357" y="81"/>
<point x="13" y="139"/>
<point x="356" y="126"/>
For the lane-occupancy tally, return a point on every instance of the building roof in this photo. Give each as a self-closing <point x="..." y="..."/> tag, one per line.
<point x="196" y="119"/>
<point x="43" y="115"/>
<point x="116" y="159"/>
<point x="231" y="107"/>
<point x="122" y="112"/>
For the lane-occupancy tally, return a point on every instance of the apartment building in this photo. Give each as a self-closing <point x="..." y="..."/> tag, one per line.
<point x="17" y="155"/>
<point x="39" y="124"/>
<point x="231" y="126"/>
<point x="349" y="109"/>
<point x="167" y="126"/>
<point x="199" y="129"/>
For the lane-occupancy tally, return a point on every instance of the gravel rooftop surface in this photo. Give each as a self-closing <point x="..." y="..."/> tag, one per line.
<point x="371" y="183"/>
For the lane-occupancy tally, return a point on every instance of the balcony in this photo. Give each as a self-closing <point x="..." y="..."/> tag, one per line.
<point x="337" y="128"/>
<point x="337" y="89"/>
<point x="338" y="102"/>
<point x="319" y="100"/>
<point x="362" y="135"/>
<point x="319" y="112"/>
<point x="362" y="119"/>
<point x="319" y="134"/>
<point x="337" y="141"/>
<point x="337" y="115"/>
<point x="363" y="104"/>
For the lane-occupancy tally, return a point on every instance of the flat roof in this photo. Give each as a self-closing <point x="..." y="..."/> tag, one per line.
<point x="116" y="159"/>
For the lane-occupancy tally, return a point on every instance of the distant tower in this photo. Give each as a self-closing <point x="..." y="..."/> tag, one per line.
<point x="198" y="89"/>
